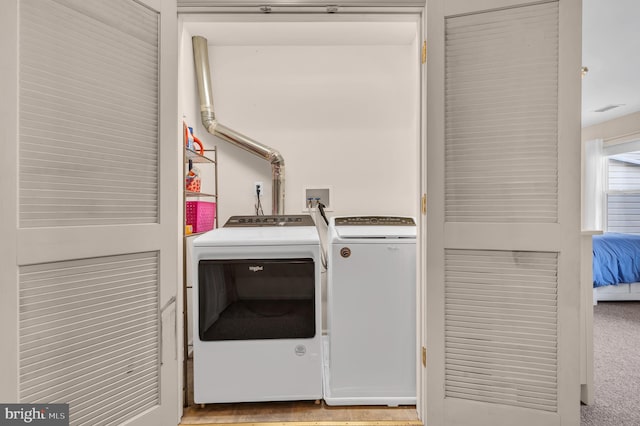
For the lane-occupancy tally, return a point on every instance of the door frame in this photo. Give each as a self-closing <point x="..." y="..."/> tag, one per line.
<point x="419" y="13"/>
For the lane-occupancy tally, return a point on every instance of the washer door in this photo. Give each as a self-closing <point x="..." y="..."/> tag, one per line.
<point x="252" y="299"/>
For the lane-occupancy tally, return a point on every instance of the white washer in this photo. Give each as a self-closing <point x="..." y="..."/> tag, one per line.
<point x="371" y="312"/>
<point x="256" y="311"/>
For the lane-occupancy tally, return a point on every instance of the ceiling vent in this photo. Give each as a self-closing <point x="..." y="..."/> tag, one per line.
<point x="607" y="108"/>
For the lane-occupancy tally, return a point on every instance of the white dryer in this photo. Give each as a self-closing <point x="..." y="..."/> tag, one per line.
<point x="371" y="312"/>
<point x="257" y="316"/>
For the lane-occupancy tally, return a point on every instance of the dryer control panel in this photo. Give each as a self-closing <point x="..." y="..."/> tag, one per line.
<point x="375" y="221"/>
<point x="269" y="220"/>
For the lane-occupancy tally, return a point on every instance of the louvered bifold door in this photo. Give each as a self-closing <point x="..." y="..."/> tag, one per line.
<point x="97" y="217"/>
<point x="501" y="336"/>
<point x="503" y="219"/>
<point x="89" y="336"/>
<point x="501" y="122"/>
<point x="88" y="113"/>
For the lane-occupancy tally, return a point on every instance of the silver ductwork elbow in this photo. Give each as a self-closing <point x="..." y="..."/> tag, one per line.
<point x="207" y="115"/>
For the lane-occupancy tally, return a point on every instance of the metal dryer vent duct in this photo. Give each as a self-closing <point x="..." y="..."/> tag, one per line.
<point x="205" y="92"/>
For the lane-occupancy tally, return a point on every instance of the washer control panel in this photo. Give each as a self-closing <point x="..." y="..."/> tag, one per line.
<point x="375" y="221"/>
<point x="269" y="220"/>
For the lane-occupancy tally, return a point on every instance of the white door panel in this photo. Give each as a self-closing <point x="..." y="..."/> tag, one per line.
<point x="90" y="262"/>
<point x="68" y="243"/>
<point x="503" y="221"/>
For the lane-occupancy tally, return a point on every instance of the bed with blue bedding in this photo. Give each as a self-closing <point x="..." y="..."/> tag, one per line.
<point x="616" y="266"/>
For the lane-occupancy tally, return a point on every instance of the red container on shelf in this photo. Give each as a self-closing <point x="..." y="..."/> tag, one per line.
<point x="200" y="215"/>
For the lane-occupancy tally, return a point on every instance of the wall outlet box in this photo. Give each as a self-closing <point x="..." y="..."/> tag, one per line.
<point x="317" y="194"/>
<point x="258" y="186"/>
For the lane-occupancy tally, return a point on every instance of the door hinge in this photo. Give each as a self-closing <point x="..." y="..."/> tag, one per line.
<point x="424" y="51"/>
<point x="424" y="204"/>
<point x="424" y="356"/>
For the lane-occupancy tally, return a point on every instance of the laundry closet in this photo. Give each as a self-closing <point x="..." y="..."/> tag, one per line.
<point x="339" y="96"/>
<point x="93" y="184"/>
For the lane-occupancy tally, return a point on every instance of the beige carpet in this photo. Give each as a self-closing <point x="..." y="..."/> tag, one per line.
<point x="616" y="336"/>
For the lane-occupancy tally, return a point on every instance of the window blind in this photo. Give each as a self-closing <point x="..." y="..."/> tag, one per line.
<point x="623" y="195"/>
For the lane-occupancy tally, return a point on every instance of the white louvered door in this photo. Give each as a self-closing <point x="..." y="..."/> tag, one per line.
<point x="503" y="218"/>
<point x="90" y="206"/>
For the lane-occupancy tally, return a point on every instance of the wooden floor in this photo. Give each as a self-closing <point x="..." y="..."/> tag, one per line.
<point x="298" y="413"/>
<point x="302" y="413"/>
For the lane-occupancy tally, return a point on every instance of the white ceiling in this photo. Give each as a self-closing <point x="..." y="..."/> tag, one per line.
<point x="611" y="51"/>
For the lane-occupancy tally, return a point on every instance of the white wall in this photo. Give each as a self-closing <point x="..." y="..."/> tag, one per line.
<point x="344" y="116"/>
<point x="619" y="130"/>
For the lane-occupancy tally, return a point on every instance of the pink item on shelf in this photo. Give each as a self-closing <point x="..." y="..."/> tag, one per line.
<point x="201" y="215"/>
